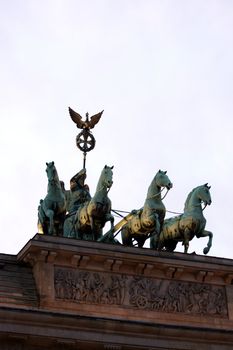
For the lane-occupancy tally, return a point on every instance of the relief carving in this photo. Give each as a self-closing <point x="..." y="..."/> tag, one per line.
<point x="173" y="296"/>
<point x="87" y="287"/>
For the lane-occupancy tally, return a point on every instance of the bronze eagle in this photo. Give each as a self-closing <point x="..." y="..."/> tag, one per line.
<point x="87" y="124"/>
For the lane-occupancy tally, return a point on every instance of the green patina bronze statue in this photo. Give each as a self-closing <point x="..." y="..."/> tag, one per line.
<point x="149" y="219"/>
<point x="184" y="227"/>
<point x="52" y="209"/>
<point x="75" y="214"/>
<point x="92" y="216"/>
<point x="78" y="195"/>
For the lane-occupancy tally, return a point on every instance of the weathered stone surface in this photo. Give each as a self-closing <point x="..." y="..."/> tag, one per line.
<point x="91" y="295"/>
<point x="83" y="287"/>
<point x="17" y="285"/>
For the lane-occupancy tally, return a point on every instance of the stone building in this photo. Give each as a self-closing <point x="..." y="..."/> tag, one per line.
<point x="61" y="293"/>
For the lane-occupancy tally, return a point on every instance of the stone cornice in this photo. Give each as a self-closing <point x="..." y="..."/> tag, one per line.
<point x="129" y="260"/>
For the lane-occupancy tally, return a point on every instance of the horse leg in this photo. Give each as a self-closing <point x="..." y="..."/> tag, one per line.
<point x="206" y="233"/>
<point x="141" y="240"/>
<point x="154" y="240"/>
<point x="186" y="240"/>
<point x="109" y="217"/>
<point x="97" y="230"/>
<point x="93" y="229"/>
<point x="125" y="236"/>
<point x="50" y="214"/>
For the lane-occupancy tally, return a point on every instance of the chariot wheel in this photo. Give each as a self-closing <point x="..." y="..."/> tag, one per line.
<point x="85" y="141"/>
<point x="141" y="302"/>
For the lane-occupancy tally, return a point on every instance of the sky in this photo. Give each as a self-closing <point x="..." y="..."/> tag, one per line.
<point x="162" y="72"/>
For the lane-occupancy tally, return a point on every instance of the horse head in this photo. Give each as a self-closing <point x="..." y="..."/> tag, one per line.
<point x="162" y="180"/>
<point x="199" y="194"/>
<point x="51" y="172"/>
<point x="204" y="194"/>
<point x="107" y="174"/>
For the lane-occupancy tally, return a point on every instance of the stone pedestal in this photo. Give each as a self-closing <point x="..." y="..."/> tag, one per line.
<point x="100" y="296"/>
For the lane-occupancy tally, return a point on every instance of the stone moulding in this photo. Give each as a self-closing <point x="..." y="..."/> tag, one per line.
<point x="96" y="279"/>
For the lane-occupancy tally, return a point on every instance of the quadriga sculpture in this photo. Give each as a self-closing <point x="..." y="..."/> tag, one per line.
<point x="149" y="219"/>
<point x="92" y="216"/>
<point x="184" y="227"/>
<point x="52" y="209"/>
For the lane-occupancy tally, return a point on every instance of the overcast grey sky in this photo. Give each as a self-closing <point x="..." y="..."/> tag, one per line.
<point x="163" y="73"/>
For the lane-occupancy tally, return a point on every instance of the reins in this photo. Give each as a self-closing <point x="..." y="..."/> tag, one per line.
<point x="103" y="187"/>
<point x="117" y="211"/>
<point x="193" y="206"/>
<point x="120" y="211"/>
<point x="157" y="194"/>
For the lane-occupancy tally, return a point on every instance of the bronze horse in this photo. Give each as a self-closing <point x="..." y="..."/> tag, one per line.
<point x="92" y="216"/>
<point x="149" y="219"/>
<point x="184" y="227"/>
<point x="52" y="210"/>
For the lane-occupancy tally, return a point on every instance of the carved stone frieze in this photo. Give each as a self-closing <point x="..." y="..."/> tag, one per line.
<point x="163" y="295"/>
<point x="173" y="296"/>
<point x="89" y="287"/>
